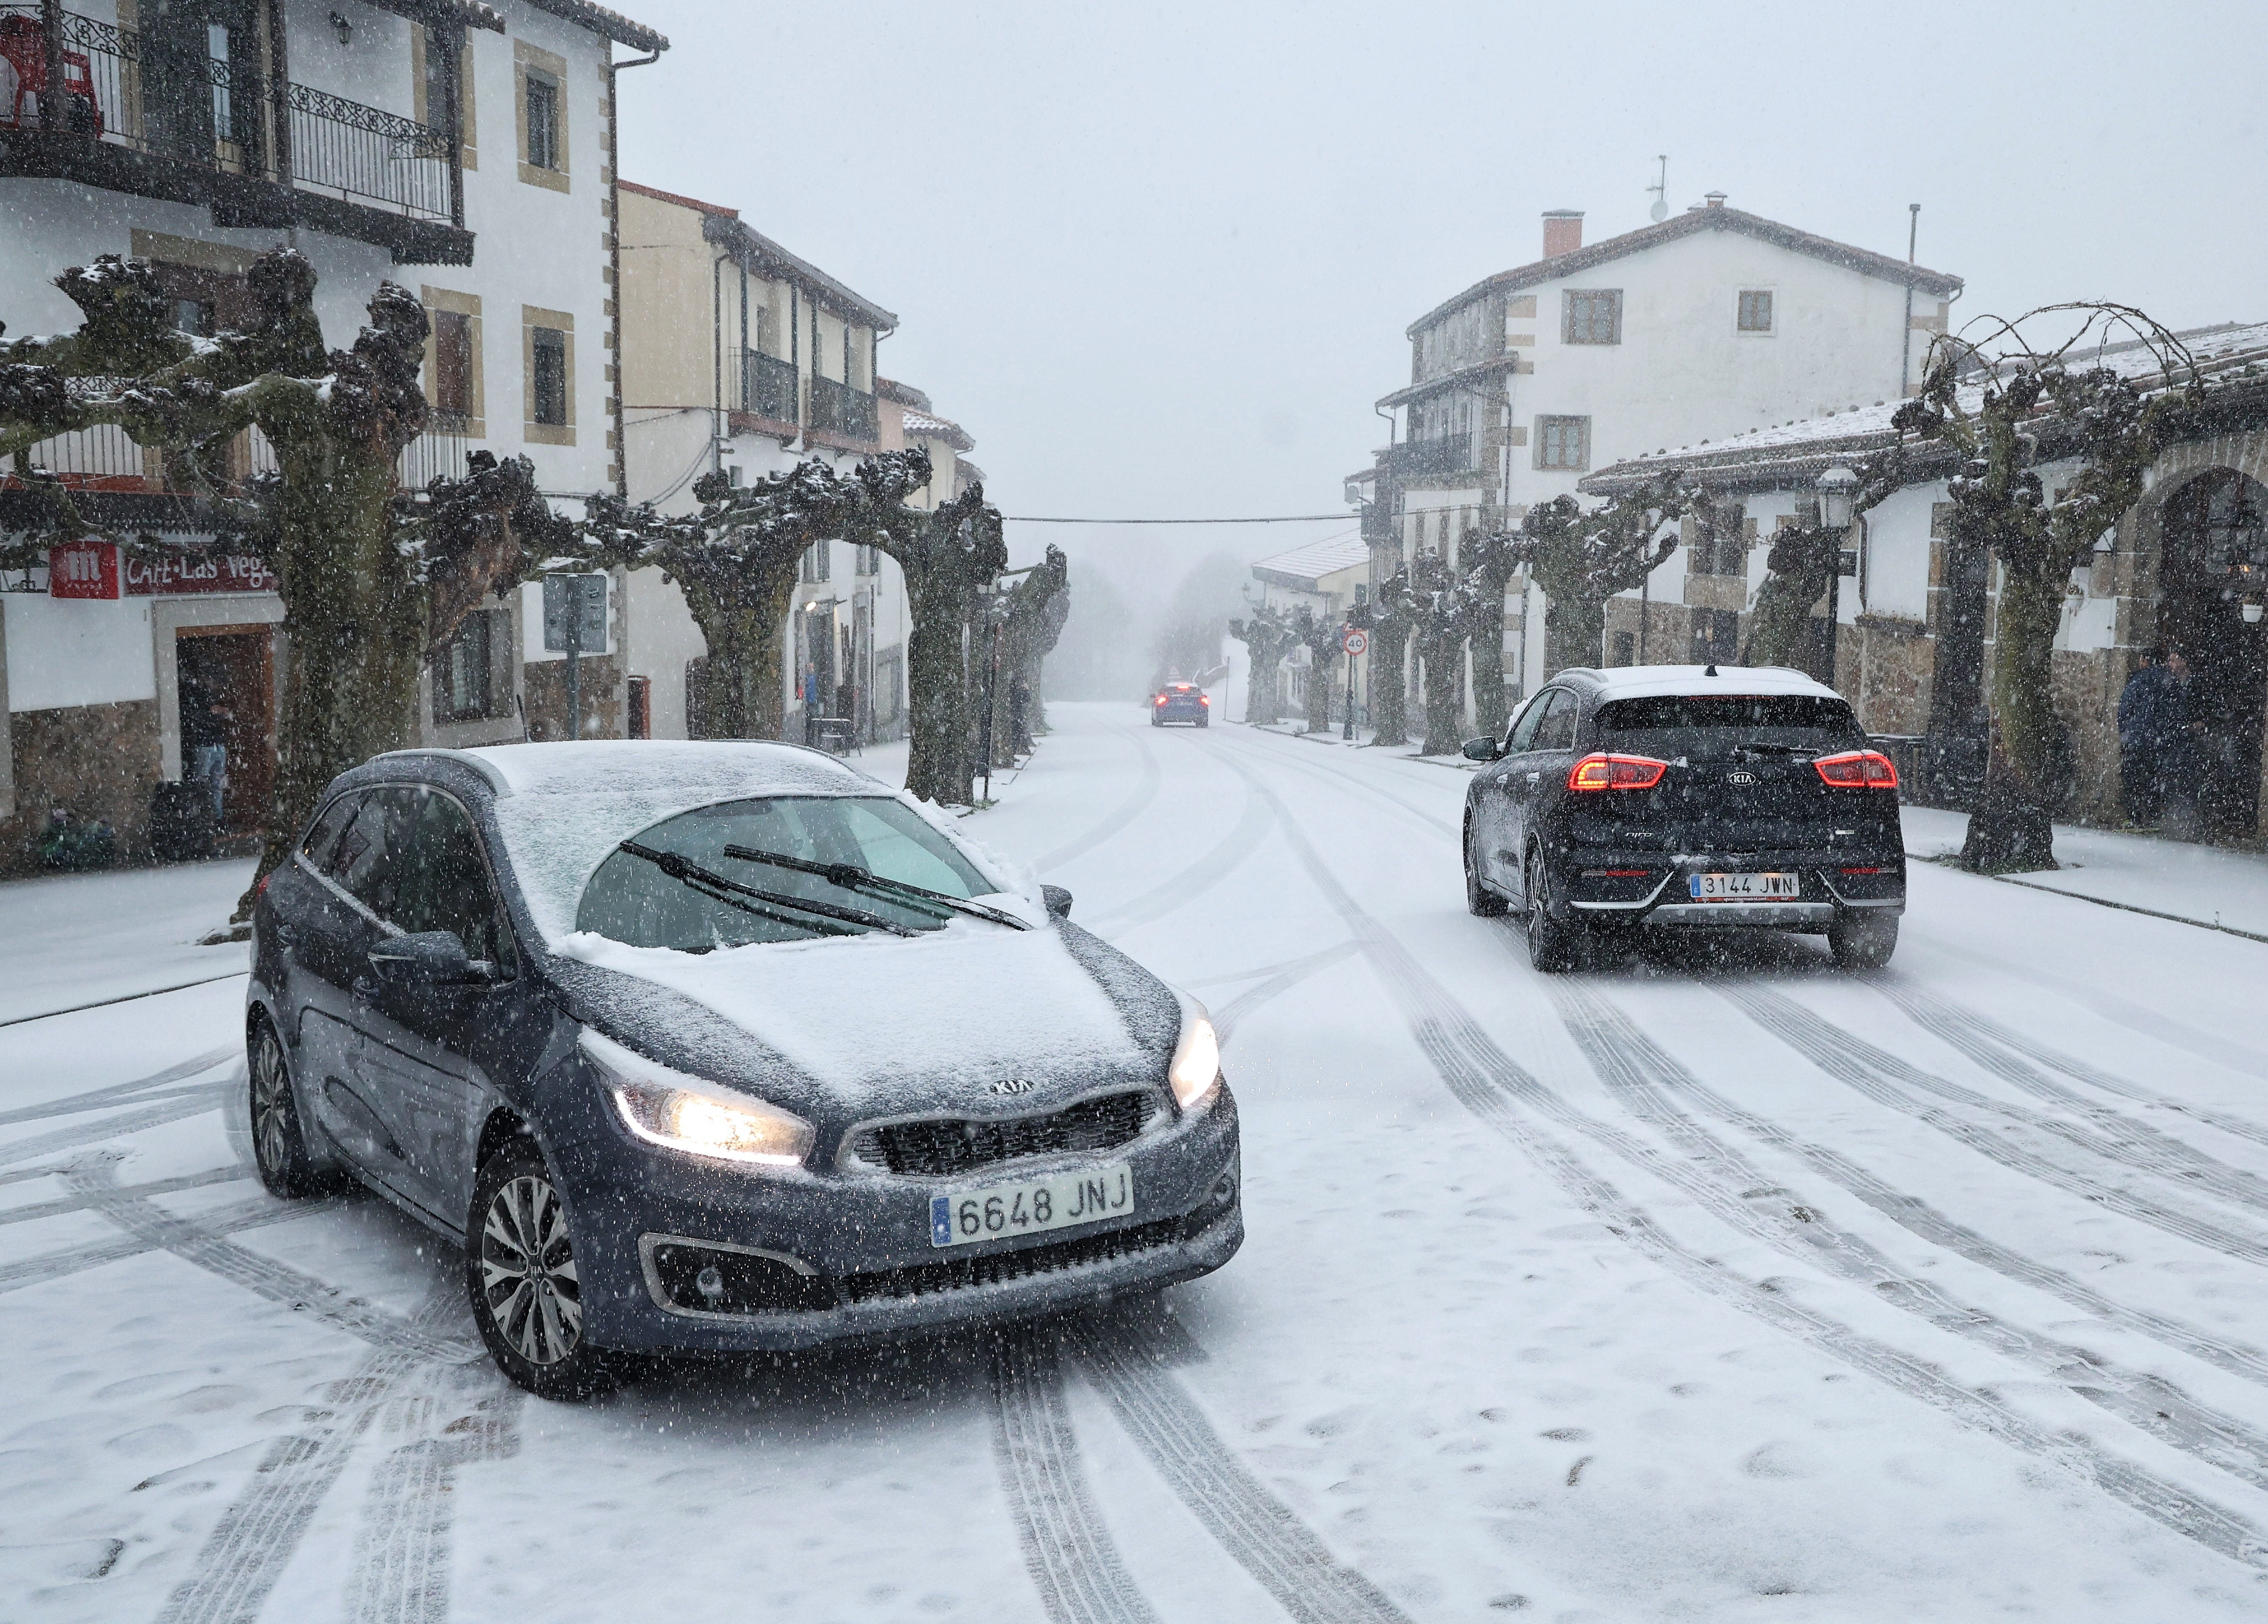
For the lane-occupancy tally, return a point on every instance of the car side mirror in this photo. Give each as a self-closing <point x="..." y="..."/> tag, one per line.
<point x="1482" y="749"/>
<point x="427" y="958"/>
<point x="1058" y="900"/>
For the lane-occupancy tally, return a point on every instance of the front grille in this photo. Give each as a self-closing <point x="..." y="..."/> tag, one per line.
<point x="959" y="1273"/>
<point x="955" y="1145"/>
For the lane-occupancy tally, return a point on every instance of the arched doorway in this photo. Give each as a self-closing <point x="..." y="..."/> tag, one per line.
<point x="2215" y="560"/>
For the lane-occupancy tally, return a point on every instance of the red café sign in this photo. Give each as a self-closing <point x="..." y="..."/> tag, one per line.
<point x="95" y="570"/>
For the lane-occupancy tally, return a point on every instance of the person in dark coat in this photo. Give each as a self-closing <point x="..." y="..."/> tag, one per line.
<point x="2138" y="762"/>
<point x="2178" y="728"/>
<point x="204" y="742"/>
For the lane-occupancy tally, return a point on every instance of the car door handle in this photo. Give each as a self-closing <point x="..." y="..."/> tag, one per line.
<point x="287" y="935"/>
<point x="1535" y="777"/>
<point x="363" y="989"/>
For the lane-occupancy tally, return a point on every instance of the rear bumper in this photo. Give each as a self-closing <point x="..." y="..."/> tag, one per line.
<point x="1663" y="899"/>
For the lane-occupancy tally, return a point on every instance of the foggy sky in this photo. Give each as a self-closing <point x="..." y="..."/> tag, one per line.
<point x="1157" y="260"/>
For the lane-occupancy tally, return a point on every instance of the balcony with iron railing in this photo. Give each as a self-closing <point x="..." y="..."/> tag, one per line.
<point x="105" y="461"/>
<point x="1446" y="453"/>
<point x="837" y="408"/>
<point x="766" y="387"/>
<point x="138" y="113"/>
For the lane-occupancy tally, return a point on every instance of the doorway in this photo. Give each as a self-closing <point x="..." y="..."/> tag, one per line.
<point x="226" y="677"/>
<point x="2216" y="554"/>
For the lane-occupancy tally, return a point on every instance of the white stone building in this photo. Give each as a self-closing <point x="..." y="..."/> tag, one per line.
<point x="741" y="358"/>
<point x="196" y="135"/>
<point x="1711" y="322"/>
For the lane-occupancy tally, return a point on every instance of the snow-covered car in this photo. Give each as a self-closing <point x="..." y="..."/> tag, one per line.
<point x="721" y="1047"/>
<point x="1653" y="797"/>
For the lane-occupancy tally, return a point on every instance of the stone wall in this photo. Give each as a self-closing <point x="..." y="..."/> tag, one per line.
<point x="92" y="761"/>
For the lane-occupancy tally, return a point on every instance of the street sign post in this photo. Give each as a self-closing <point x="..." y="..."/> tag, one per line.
<point x="1356" y="642"/>
<point x="574" y="619"/>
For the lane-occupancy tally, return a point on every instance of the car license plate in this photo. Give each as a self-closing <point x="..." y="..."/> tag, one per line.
<point x="1743" y="887"/>
<point x="1002" y="1210"/>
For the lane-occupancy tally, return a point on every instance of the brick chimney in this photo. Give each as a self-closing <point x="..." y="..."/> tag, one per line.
<point x="1562" y="232"/>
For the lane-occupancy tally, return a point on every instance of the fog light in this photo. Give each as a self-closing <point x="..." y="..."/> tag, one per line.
<point x="709" y="1282"/>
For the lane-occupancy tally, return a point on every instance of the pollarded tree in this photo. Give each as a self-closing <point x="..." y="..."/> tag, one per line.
<point x="1486" y="563"/>
<point x="1441" y="625"/>
<point x="1393" y="616"/>
<point x="1031" y="618"/>
<point x="1319" y="634"/>
<point x="373" y="580"/>
<point x="1040" y="642"/>
<point x="1266" y="635"/>
<point x="1581" y="559"/>
<point x="1800" y="566"/>
<point x="947" y="553"/>
<point x="2007" y="412"/>
<point x="737" y="560"/>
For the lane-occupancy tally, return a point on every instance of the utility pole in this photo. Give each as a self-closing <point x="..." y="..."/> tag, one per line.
<point x="1905" y="362"/>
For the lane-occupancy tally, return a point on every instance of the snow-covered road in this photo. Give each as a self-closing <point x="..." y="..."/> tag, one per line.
<point x="1717" y="1286"/>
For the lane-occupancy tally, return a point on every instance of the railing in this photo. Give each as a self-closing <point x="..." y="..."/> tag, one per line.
<point x="89" y="460"/>
<point x="838" y="409"/>
<point x="767" y="385"/>
<point x="436" y="453"/>
<point x="1447" y="453"/>
<point x="126" y="88"/>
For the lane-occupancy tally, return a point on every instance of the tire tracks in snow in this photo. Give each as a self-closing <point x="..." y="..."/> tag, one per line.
<point x="1227" y="855"/>
<point x="404" y="1552"/>
<point x="1068" y="1551"/>
<point x="1890" y="1081"/>
<point x="1281" y="979"/>
<point x="257" y="1213"/>
<point x="1642" y="1077"/>
<point x="1133" y="806"/>
<point x="192" y="1103"/>
<point x="122" y="1093"/>
<point x="279" y="1282"/>
<point x="1505" y="1097"/>
<point x="1258" y="1531"/>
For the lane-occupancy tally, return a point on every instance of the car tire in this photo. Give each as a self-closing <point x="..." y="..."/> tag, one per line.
<point x="1204" y="721"/>
<point x="1554" y="945"/>
<point x="1480" y="902"/>
<point x="520" y="1271"/>
<point x="1863" y="941"/>
<point x="279" y="1145"/>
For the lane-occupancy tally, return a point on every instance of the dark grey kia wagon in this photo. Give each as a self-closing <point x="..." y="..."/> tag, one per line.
<point x="721" y="1047"/>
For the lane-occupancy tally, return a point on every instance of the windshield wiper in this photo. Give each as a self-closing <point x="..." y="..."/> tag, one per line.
<point x="1744" y="750"/>
<point x="851" y="877"/>
<point x="710" y="884"/>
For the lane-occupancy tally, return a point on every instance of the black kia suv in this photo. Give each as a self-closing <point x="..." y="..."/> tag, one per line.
<point x="1658" y="797"/>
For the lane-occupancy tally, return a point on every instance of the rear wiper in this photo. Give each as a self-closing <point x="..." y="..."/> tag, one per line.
<point x="851" y="877"/>
<point x="713" y="884"/>
<point x="1743" y="750"/>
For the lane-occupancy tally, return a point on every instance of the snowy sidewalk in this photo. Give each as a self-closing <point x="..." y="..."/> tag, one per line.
<point x="73" y="940"/>
<point x="2173" y="879"/>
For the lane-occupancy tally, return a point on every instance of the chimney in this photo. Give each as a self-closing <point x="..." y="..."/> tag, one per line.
<point x="1715" y="200"/>
<point x="1562" y="232"/>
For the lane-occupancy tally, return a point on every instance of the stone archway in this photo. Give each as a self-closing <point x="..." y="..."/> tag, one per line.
<point x="2213" y="557"/>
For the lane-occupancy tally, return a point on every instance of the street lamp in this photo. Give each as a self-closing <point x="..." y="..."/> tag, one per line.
<point x="1838" y="489"/>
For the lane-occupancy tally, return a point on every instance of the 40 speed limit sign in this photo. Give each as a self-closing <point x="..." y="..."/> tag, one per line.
<point x="1355" y="641"/>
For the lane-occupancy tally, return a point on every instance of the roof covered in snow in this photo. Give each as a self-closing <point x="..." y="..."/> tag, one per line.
<point x="1717" y="218"/>
<point x="1304" y="566"/>
<point x="944" y="429"/>
<point x="1798" y="450"/>
<point x="1652" y="681"/>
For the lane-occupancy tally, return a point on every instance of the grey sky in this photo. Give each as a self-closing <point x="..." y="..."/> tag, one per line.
<point x="1158" y="259"/>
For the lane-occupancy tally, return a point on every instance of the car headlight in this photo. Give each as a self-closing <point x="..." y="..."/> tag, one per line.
<point x="667" y="1108"/>
<point x="1197" y="1060"/>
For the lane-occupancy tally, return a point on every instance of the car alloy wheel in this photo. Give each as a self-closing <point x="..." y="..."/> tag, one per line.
<point x="279" y="1149"/>
<point x="526" y="1287"/>
<point x="1553" y="944"/>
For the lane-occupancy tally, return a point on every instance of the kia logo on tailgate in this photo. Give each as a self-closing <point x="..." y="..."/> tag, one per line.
<point x="1012" y="1085"/>
<point x="1739" y="778"/>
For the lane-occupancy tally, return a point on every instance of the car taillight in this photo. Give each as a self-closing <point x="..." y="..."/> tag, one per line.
<point x="1858" y="769"/>
<point x="1616" y="772"/>
<point x="1161" y="699"/>
<point x="1205" y="702"/>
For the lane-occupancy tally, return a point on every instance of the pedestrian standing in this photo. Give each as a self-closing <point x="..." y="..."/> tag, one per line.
<point x="204" y="740"/>
<point x="810" y="697"/>
<point x="2138" y="762"/>
<point x="2179" y="731"/>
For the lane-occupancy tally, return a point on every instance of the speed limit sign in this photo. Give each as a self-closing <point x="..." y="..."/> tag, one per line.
<point x="1355" y="641"/>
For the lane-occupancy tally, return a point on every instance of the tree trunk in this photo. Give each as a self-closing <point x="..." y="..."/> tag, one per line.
<point x="2010" y="830"/>
<point x="355" y="634"/>
<point x="1389" y="685"/>
<point x="1491" y="713"/>
<point x="1572" y="630"/>
<point x="938" y="758"/>
<point x="1781" y="633"/>
<point x="1322" y="678"/>
<point x="1444" y="694"/>
<point x="741" y="693"/>
<point x="1260" y="702"/>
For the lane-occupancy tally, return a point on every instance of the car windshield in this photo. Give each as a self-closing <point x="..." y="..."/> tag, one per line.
<point x="1722" y="726"/>
<point x="632" y="899"/>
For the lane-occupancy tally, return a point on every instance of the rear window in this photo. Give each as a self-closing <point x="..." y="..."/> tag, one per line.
<point x="1703" y="725"/>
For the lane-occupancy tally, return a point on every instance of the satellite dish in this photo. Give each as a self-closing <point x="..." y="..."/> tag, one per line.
<point x="1660" y="190"/>
<point x="1659" y="211"/>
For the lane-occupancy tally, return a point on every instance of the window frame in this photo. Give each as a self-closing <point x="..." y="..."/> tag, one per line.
<point x="1740" y="306"/>
<point x="480" y="624"/>
<point x="1586" y="332"/>
<point x="533" y="65"/>
<point x="1545" y="428"/>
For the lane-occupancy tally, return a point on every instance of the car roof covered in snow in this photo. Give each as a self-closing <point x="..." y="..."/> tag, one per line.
<point x="718" y="769"/>
<point x="1652" y="681"/>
